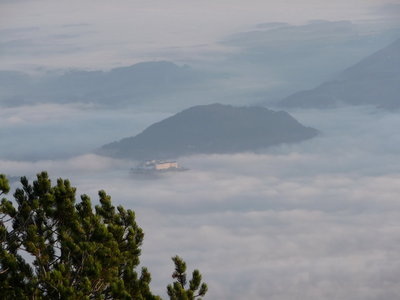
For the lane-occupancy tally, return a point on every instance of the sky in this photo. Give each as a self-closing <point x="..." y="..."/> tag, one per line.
<point x="315" y="220"/>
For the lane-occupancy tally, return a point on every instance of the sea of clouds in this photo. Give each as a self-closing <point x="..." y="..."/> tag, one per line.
<point x="315" y="220"/>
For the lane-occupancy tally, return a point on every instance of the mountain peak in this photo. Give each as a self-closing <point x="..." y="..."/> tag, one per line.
<point x="213" y="128"/>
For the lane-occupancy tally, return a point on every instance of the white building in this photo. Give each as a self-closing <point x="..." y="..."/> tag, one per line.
<point x="166" y="165"/>
<point x="159" y="165"/>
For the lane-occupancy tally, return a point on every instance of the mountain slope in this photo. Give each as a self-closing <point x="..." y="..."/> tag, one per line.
<point x="373" y="81"/>
<point x="213" y="128"/>
<point x="138" y="83"/>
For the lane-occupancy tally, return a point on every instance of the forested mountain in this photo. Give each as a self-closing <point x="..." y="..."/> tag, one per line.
<point x="213" y="128"/>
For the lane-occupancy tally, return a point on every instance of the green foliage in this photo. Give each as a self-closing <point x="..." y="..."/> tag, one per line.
<point x="177" y="290"/>
<point x="4" y="186"/>
<point x="55" y="248"/>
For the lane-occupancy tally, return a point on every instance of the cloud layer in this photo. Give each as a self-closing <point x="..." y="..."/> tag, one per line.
<point x="87" y="35"/>
<point x="317" y="220"/>
<point x="50" y="131"/>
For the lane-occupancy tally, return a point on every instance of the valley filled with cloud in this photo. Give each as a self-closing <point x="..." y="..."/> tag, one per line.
<point x="318" y="219"/>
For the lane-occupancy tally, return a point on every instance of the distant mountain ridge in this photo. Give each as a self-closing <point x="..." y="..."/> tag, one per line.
<point x="133" y="84"/>
<point x="213" y="128"/>
<point x="375" y="80"/>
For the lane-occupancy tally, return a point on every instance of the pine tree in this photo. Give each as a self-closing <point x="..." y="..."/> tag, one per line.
<point x="55" y="248"/>
<point x="177" y="291"/>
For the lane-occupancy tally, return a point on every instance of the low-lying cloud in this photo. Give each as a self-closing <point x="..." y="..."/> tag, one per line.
<point x="53" y="131"/>
<point x="316" y="220"/>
